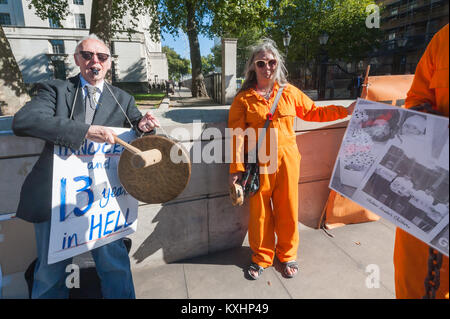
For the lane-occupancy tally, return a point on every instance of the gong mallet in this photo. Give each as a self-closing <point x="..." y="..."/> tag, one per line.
<point x="140" y="159"/>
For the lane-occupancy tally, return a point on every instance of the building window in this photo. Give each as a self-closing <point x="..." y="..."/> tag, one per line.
<point x="59" y="70"/>
<point x="80" y="21"/>
<point x="412" y="5"/>
<point x="53" y="23"/>
<point x="3" y="1"/>
<point x="57" y="46"/>
<point x="5" y="19"/>
<point x="80" y="2"/>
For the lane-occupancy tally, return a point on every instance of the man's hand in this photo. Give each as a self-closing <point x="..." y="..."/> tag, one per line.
<point x="101" y="134"/>
<point x="148" y="123"/>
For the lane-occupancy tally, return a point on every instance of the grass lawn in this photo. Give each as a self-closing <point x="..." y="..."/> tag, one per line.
<point x="149" y="96"/>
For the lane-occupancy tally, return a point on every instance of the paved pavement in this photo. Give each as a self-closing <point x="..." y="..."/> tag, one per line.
<point x="356" y="263"/>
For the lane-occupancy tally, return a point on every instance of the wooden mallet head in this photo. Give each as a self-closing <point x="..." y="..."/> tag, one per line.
<point x="141" y="159"/>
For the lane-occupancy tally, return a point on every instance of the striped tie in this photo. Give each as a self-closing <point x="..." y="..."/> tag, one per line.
<point x="90" y="103"/>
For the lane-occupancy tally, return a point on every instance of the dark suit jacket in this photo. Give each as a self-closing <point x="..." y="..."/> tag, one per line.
<point x="46" y="117"/>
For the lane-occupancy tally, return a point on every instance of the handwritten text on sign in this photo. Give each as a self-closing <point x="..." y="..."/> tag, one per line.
<point x="90" y="208"/>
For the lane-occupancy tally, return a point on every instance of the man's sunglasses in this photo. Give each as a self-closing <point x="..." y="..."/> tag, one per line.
<point x="87" y="55"/>
<point x="262" y="63"/>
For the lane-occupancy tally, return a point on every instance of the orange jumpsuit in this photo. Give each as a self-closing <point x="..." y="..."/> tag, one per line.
<point x="430" y="85"/>
<point x="249" y="110"/>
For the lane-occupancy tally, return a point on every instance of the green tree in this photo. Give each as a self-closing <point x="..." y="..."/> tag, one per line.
<point x="208" y="63"/>
<point x="178" y="66"/>
<point x="209" y="17"/>
<point x="105" y="14"/>
<point x="343" y="20"/>
<point x="247" y="38"/>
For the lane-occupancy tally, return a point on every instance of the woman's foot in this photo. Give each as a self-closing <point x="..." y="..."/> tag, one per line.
<point x="254" y="271"/>
<point x="290" y="269"/>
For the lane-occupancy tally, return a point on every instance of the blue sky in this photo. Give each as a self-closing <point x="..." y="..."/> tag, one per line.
<point x="181" y="44"/>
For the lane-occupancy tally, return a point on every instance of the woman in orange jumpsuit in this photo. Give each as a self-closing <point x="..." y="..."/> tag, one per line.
<point x="274" y="208"/>
<point x="411" y="256"/>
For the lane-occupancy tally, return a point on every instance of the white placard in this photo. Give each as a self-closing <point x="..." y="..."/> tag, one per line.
<point x="90" y="207"/>
<point x="395" y="162"/>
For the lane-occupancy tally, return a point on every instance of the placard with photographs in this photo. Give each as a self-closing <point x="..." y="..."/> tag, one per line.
<point x="395" y="162"/>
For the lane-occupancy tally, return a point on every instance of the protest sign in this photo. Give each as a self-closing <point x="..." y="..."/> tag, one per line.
<point x="394" y="162"/>
<point x="90" y="208"/>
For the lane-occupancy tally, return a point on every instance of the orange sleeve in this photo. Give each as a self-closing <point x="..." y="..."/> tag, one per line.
<point x="308" y="111"/>
<point x="237" y="122"/>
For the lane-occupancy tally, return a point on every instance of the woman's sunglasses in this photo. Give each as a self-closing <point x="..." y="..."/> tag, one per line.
<point x="262" y="63"/>
<point x="87" y="55"/>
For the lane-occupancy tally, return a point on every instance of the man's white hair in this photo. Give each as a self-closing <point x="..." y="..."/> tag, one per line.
<point x="91" y="36"/>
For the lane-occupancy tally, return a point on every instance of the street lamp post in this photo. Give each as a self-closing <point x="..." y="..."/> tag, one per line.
<point x="323" y="39"/>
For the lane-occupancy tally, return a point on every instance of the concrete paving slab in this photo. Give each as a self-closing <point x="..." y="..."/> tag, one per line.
<point x="328" y="271"/>
<point x="222" y="276"/>
<point x="160" y="282"/>
<point x="370" y="246"/>
<point x="330" y="268"/>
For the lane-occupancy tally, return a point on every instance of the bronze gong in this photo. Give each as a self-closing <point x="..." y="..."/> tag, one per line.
<point x="160" y="182"/>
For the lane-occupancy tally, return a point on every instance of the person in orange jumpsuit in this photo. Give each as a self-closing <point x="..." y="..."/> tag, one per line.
<point x="429" y="91"/>
<point x="274" y="207"/>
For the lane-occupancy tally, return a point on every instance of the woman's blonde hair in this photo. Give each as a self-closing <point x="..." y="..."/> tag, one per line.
<point x="263" y="45"/>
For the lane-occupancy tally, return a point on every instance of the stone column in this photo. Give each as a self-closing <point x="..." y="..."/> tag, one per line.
<point x="229" y="49"/>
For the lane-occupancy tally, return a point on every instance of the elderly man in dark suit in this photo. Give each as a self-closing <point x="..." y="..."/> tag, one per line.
<point x="66" y="113"/>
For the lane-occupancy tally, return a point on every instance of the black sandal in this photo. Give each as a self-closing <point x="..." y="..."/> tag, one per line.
<point x="290" y="264"/>
<point x="257" y="268"/>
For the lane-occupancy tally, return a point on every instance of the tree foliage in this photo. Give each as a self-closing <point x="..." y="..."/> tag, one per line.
<point x="245" y="41"/>
<point x="343" y="20"/>
<point x="56" y="10"/>
<point x="223" y="18"/>
<point x="220" y="18"/>
<point x="178" y="66"/>
<point x="208" y="63"/>
<point x="247" y="20"/>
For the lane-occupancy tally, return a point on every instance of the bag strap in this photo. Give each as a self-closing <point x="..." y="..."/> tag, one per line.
<point x="269" y="117"/>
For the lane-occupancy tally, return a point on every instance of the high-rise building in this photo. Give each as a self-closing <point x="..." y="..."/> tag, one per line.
<point x="44" y="48"/>
<point x="408" y="26"/>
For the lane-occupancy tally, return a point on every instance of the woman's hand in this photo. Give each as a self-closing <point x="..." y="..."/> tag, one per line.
<point x="351" y="108"/>
<point x="234" y="178"/>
